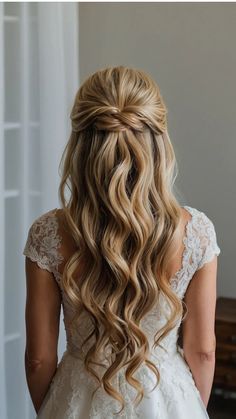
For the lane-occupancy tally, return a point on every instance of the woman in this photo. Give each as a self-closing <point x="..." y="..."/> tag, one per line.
<point x="127" y="262"/>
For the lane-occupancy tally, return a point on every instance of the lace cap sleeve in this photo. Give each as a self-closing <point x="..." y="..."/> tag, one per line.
<point x="208" y="246"/>
<point x="43" y="241"/>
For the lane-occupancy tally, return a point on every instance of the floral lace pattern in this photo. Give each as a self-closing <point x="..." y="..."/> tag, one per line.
<point x="74" y="387"/>
<point x="43" y="242"/>
<point x="200" y="246"/>
<point x="176" y="395"/>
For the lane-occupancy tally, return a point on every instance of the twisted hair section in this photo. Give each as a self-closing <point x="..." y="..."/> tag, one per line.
<point x="116" y="189"/>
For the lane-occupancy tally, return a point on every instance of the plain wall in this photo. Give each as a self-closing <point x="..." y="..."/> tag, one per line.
<point x="189" y="49"/>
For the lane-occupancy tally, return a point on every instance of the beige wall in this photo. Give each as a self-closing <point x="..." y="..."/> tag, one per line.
<point x="189" y="49"/>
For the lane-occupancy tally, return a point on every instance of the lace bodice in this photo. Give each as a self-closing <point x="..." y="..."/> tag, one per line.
<point x="200" y="246"/>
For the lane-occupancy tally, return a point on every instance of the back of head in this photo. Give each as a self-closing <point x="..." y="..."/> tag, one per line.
<point x="116" y="192"/>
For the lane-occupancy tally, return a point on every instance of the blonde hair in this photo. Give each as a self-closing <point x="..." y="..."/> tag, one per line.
<point x="119" y="169"/>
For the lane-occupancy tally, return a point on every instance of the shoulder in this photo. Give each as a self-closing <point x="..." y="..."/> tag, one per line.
<point x="43" y="240"/>
<point x="44" y="229"/>
<point x="47" y="219"/>
<point x="199" y="217"/>
<point x="204" y="232"/>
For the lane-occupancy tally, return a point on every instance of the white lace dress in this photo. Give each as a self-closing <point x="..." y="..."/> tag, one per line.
<point x="176" y="396"/>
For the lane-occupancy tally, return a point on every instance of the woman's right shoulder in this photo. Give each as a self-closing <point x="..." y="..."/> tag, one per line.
<point x="199" y="216"/>
<point x="204" y="232"/>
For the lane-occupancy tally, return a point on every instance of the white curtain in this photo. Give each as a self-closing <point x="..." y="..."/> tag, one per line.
<point x="59" y="79"/>
<point x="58" y="82"/>
<point x="39" y="77"/>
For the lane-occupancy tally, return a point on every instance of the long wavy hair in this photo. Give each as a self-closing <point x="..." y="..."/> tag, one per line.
<point x="116" y="190"/>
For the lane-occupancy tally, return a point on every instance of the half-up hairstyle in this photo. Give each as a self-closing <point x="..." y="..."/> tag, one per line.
<point x="116" y="191"/>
